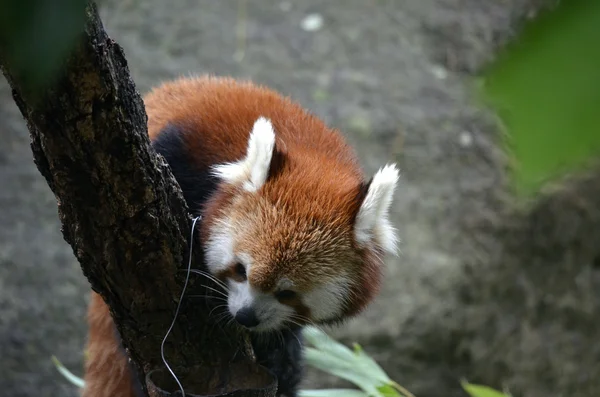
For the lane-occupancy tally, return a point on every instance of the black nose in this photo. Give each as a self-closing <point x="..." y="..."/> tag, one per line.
<point x="247" y="317"/>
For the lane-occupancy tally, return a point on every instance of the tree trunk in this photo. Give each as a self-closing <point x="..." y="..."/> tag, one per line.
<point x="124" y="215"/>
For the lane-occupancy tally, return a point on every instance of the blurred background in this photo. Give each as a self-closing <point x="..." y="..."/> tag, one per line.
<point x="492" y="110"/>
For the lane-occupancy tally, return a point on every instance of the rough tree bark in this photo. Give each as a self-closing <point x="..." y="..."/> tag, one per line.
<point x="124" y="215"/>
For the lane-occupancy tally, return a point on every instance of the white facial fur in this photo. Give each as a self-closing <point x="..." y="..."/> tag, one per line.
<point x="271" y="313"/>
<point x="219" y="257"/>
<point x="326" y="301"/>
<point x="219" y="247"/>
<point x="252" y="171"/>
<point x="372" y="221"/>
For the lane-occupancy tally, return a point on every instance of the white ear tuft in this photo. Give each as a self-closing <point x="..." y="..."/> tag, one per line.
<point x="372" y="221"/>
<point x="252" y="171"/>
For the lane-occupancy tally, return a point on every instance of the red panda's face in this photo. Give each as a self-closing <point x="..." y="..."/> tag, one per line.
<point x="301" y="251"/>
<point x="282" y="267"/>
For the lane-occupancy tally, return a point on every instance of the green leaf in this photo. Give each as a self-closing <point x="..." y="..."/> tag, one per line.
<point x="546" y="89"/>
<point x="67" y="374"/>
<point x="342" y="369"/>
<point x="389" y="391"/>
<point x="320" y="340"/>
<point x="481" y="391"/>
<point x="332" y="393"/>
<point x="370" y="367"/>
<point x="356" y="361"/>
<point x="355" y="365"/>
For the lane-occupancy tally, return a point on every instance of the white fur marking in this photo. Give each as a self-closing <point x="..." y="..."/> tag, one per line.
<point x="240" y="296"/>
<point x="372" y="221"/>
<point x="219" y="247"/>
<point x="252" y="171"/>
<point x="326" y="301"/>
<point x="284" y="283"/>
<point x="271" y="314"/>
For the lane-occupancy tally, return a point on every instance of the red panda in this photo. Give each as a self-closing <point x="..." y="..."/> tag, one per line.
<point x="289" y="223"/>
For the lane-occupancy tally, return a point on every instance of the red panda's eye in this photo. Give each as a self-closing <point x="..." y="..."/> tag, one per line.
<point x="240" y="270"/>
<point x="285" y="294"/>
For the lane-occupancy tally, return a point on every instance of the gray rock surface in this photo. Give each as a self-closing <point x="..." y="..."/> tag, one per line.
<point x="481" y="290"/>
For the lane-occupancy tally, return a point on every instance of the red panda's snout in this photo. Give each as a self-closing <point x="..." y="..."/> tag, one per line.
<point x="301" y="244"/>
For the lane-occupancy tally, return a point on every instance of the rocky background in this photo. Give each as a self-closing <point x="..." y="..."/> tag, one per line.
<point x="484" y="289"/>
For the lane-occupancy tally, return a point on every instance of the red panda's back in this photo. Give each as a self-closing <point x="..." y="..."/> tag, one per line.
<point x="217" y="115"/>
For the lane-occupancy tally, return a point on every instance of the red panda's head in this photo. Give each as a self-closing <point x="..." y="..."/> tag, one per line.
<point x="297" y="236"/>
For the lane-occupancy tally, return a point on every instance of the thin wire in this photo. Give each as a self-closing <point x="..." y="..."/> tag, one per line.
<point x="187" y="277"/>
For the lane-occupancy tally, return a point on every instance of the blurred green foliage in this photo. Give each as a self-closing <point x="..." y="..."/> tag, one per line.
<point x="37" y="35"/>
<point x="354" y="365"/>
<point x="546" y="88"/>
<point x="481" y="391"/>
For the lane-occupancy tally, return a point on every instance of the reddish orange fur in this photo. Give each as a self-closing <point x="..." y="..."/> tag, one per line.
<point x="222" y="111"/>
<point x="107" y="372"/>
<point x="315" y="178"/>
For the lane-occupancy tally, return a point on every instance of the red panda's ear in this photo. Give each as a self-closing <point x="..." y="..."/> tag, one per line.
<point x="278" y="162"/>
<point x="372" y="223"/>
<point x="252" y="171"/>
